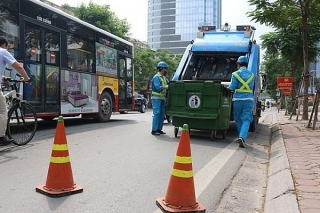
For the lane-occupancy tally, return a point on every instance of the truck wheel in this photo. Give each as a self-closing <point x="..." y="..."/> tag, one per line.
<point x="168" y="118"/>
<point x="213" y="135"/>
<point x="106" y="107"/>
<point x="253" y="124"/>
<point x="224" y="133"/>
<point x="176" y="130"/>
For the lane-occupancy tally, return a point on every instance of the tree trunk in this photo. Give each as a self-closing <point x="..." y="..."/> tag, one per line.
<point x="306" y="75"/>
<point x="293" y="89"/>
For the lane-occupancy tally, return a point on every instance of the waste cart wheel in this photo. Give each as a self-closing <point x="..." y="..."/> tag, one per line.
<point x="224" y="134"/>
<point x="176" y="130"/>
<point x="213" y="135"/>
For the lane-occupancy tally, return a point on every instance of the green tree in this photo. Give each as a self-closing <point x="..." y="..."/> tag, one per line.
<point x="299" y="15"/>
<point x="145" y="65"/>
<point x="287" y="44"/>
<point x="171" y="59"/>
<point x="103" y="18"/>
<point x="67" y="7"/>
<point x="274" y="66"/>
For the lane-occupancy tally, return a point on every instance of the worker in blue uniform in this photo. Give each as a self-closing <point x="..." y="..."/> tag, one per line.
<point x="242" y="83"/>
<point x="158" y="97"/>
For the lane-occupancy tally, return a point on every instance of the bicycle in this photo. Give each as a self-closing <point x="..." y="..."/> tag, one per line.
<point x="22" y="117"/>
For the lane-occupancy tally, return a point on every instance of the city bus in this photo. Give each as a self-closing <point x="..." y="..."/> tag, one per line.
<point x="75" y="67"/>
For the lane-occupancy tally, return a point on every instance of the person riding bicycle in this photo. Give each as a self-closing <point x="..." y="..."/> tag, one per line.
<point x="7" y="59"/>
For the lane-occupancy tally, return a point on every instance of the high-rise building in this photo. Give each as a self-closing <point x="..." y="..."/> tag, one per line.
<point x="172" y="24"/>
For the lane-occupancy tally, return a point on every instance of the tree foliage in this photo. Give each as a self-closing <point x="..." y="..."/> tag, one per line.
<point x="293" y="19"/>
<point x="145" y="65"/>
<point x="102" y="17"/>
<point x="287" y="45"/>
<point x="274" y="66"/>
<point x="67" y="7"/>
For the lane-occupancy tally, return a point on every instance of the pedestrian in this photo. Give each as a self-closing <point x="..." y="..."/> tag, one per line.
<point x="7" y="59"/>
<point x="242" y="83"/>
<point x="158" y="97"/>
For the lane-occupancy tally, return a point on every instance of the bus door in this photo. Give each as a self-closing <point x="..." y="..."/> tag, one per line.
<point x="42" y="63"/>
<point x="126" y="90"/>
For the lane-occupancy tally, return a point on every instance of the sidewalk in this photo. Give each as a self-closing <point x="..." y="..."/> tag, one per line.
<point x="303" y="152"/>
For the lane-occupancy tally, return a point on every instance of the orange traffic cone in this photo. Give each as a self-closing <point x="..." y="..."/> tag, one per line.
<point x="180" y="195"/>
<point x="59" y="179"/>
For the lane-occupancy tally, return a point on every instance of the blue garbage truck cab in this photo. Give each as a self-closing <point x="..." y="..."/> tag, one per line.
<point x="212" y="56"/>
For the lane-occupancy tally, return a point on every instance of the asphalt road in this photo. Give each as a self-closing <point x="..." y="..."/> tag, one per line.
<point x="120" y="165"/>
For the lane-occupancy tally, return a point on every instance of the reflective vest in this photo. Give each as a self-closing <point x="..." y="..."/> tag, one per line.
<point x="163" y="83"/>
<point x="245" y="84"/>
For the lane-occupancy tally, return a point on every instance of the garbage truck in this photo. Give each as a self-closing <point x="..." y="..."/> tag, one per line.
<point x="197" y="93"/>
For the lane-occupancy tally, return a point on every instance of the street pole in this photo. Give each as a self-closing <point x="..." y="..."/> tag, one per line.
<point x="313" y="91"/>
<point x="313" y="72"/>
<point x="205" y="13"/>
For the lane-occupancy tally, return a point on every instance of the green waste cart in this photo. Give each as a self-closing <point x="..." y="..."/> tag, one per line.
<point x="203" y="105"/>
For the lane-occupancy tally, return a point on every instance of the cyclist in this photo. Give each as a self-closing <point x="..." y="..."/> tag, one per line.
<point x="7" y="59"/>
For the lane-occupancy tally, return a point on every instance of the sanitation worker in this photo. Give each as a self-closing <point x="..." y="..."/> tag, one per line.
<point x="242" y="83"/>
<point x="158" y="97"/>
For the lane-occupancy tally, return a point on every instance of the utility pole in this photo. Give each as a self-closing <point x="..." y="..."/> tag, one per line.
<point x="205" y="12"/>
<point x="313" y="73"/>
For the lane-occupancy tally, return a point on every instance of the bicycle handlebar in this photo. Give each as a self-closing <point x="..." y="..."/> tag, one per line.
<point x="16" y="81"/>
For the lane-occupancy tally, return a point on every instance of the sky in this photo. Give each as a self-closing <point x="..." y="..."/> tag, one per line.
<point x="136" y="13"/>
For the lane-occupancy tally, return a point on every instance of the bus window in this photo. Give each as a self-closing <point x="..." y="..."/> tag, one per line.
<point x="122" y="67"/>
<point x="129" y="68"/>
<point x="9" y="25"/>
<point x="52" y="84"/>
<point x="33" y="64"/>
<point x="52" y="46"/>
<point x="80" y="55"/>
<point x="33" y="43"/>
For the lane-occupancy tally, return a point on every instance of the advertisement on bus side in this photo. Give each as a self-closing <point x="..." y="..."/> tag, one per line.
<point x="105" y="82"/>
<point x="106" y="63"/>
<point x="79" y="93"/>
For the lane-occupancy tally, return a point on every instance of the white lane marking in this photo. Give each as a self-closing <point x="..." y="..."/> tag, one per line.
<point x="211" y="169"/>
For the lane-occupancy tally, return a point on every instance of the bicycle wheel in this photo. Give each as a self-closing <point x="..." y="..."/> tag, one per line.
<point x="22" y="123"/>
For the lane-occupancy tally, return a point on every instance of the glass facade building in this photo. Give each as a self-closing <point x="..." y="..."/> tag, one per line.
<point x="172" y="24"/>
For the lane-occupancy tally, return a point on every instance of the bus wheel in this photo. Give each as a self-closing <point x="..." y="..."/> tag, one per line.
<point x="106" y="106"/>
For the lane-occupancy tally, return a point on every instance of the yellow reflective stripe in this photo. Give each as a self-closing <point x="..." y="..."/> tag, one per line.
<point x="60" y="147"/>
<point x="163" y="83"/>
<point x="182" y="173"/>
<point x="163" y="80"/>
<point x="60" y="159"/>
<point x="183" y="160"/>
<point x="243" y="90"/>
<point x="158" y="94"/>
<point x="245" y="84"/>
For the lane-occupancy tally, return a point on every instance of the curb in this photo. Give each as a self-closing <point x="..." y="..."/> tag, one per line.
<point x="280" y="196"/>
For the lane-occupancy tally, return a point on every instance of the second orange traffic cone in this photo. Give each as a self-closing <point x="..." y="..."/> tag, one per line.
<point x="180" y="195"/>
<point x="59" y="179"/>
